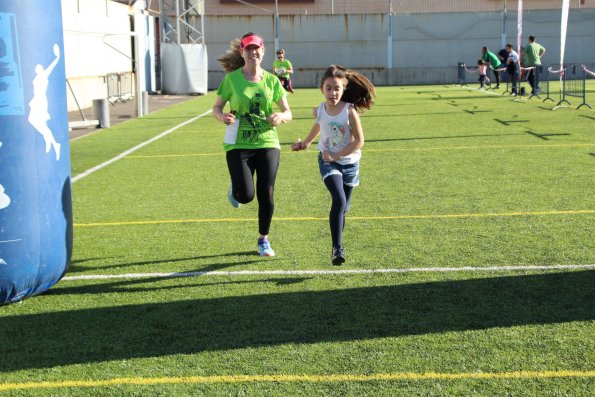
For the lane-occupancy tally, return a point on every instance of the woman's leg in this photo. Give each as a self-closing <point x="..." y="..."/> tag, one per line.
<point x="241" y="171"/>
<point x="266" y="163"/>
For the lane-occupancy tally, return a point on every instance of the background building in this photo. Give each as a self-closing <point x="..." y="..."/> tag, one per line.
<point x="392" y="42"/>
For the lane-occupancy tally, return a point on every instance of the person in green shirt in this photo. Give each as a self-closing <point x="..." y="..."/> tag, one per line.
<point x="492" y="59"/>
<point x="283" y="68"/>
<point x="251" y="141"/>
<point x="532" y="54"/>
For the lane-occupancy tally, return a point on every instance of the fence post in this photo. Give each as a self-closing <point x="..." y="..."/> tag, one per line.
<point x="547" y="85"/>
<point x="505" y="74"/>
<point x="101" y="112"/>
<point x="461" y="74"/>
<point x="565" y="70"/>
<point x="145" y="95"/>
<point x="584" y="88"/>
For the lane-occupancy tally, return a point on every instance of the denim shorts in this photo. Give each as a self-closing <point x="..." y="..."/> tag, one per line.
<point x="349" y="172"/>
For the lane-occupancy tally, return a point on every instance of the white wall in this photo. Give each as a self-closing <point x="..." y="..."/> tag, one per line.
<point x="89" y="26"/>
<point x="426" y="47"/>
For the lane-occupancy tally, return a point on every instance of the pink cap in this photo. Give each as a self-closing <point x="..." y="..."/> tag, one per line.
<point x="252" y="40"/>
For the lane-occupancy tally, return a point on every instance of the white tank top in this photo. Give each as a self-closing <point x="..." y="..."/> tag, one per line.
<point x="335" y="133"/>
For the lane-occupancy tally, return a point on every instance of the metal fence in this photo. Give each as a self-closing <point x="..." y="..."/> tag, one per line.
<point x="120" y="87"/>
<point x="574" y="84"/>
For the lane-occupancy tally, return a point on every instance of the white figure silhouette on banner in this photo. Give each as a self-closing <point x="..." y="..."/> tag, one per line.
<point x="39" y="115"/>
<point x="4" y="199"/>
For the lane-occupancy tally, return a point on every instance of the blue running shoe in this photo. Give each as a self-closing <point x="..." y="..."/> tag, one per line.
<point x="234" y="203"/>
<point x="264" y="248"/>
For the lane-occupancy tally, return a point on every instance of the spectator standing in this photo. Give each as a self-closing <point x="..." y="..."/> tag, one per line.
<point x="513" y="68"/>
<point x="532" y="53"/>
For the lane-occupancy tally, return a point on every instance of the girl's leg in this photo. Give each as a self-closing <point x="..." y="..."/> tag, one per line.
<point x="348" y="191"/>
<point x="241" y="171"/>
<point x="339" y="206"/>
<point x="266" y="164"/>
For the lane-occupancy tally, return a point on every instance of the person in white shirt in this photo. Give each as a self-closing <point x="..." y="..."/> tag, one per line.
<point x="513" y="68"/>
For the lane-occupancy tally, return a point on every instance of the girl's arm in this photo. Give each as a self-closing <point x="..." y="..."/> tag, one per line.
<point x="303" y="145"/>
<point x="283" y="116"/>
<point x="358" y="138"/>
<point x="226" y="118"/>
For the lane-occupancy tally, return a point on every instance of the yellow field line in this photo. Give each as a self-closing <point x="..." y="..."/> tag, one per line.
<point x="480" y="147"/>
<point x="299" y="378"/>
<point x="384" y="150"/>
<point x="220" y="154"/>
<point x="395" y="217"/>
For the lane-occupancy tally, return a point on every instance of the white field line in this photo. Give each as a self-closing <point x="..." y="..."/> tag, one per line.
<point x="328" y="272"/>
<point x="137" y="147"/>
<point x="484" y="91"/>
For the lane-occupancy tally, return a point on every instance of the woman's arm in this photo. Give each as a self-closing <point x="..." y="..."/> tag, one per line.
<point x="226" y="118"/>
<point x="284" y="116"/>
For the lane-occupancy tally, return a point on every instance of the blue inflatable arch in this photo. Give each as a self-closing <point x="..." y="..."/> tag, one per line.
<point x="35" y="194"/>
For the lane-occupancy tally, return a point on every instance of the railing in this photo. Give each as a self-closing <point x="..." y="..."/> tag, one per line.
<point x="119" y="87"/>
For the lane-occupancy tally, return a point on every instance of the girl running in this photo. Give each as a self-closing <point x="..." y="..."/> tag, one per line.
<point x="346" y="94"/>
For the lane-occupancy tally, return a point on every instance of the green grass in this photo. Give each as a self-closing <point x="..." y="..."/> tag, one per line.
<point x="450" y="177"/>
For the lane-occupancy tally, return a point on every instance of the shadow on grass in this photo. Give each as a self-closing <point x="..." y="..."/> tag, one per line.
<point x="474" y="98"/>
<point x="366" y="116"/>
<point x="76" y="268"/>
<point x="545" y="137"/>
<point x="128" y="285"/>
<point x="507" y="123"/>
<point x="198" y="325"/>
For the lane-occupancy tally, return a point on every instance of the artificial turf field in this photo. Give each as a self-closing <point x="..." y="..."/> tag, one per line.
<point x="470" y="261"/>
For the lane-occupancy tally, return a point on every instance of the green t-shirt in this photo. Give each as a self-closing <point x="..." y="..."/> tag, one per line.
<point x="492" y="58"/>
<point x="252" y="103"/>
<point x="532" y="51"/>
<point x="285" y="64"/>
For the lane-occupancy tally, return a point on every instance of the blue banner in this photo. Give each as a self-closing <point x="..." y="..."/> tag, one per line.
<point x="35" y="193"/>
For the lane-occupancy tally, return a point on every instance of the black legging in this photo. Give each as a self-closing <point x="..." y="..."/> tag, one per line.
<point x="497" y="76"/>
<point x="341" y="199"/>
<point x="242" y="164"/>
